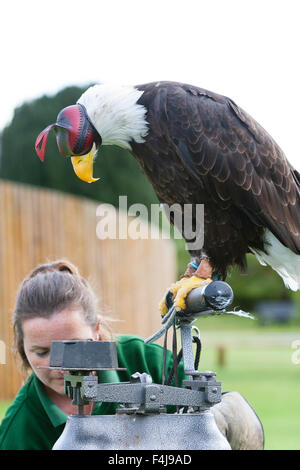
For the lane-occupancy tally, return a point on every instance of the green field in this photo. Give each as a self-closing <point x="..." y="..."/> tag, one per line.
<point x="258" y="364"/>
<point x="3" y="406"/>
<point x="270" y="382"/>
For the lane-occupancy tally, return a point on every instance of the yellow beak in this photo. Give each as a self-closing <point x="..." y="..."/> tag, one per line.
<point x="83" y="166"/>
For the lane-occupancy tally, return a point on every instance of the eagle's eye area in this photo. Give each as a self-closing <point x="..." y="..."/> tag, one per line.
<point x="75" y="134"/>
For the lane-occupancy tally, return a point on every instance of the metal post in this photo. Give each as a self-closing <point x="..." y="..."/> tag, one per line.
<point x="187" y="350"/>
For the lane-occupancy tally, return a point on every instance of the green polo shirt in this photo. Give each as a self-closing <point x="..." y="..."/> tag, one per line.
<point x="33" y="421"/>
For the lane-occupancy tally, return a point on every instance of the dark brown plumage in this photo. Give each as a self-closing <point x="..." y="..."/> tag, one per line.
<point x="203" y="148"/>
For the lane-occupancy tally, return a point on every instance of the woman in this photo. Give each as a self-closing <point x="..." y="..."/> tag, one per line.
<point x="55" y="303"/>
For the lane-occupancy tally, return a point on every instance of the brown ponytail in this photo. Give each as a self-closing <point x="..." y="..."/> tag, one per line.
<point x="51" y="288"/>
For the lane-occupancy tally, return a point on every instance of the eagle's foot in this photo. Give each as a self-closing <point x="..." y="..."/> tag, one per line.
<point x="204" y="270"/>
<point x="179" y="292"/>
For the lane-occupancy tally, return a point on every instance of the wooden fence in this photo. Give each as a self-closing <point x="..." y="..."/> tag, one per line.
<point x="38" y="225"/>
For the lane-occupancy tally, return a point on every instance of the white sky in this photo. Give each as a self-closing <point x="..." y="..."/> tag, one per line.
<point x="248" y="50"/>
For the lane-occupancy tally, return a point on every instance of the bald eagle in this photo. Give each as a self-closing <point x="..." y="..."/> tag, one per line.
<point x="196" y="147"/>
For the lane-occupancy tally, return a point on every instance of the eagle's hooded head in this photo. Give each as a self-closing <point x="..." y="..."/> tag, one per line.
<point x="104" y="114"/>
<point x="76" y="137"/>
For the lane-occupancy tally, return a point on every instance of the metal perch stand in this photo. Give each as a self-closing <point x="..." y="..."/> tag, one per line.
<point x="141" y="421"/>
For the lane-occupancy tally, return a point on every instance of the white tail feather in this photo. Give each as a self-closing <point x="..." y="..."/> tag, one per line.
<point x="281" y="259"/>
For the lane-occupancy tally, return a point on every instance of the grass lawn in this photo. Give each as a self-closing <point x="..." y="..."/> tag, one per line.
<point x="258" y="365"/>
<point x="270" y="382"/>
<point x="3" y="407"/>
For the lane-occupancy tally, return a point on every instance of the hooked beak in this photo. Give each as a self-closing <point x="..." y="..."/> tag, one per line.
<point x="83" y="166"/>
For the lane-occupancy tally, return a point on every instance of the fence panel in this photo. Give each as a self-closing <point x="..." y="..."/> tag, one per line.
<point x="40" y="225"/>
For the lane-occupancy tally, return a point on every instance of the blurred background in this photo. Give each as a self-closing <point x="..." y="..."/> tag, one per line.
<point x="47" y="212"/>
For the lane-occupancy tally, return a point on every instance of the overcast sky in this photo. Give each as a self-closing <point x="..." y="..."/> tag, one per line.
<point x="247" y="50"/>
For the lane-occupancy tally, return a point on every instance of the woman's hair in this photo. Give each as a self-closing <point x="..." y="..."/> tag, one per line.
<point x="49" y="289"/>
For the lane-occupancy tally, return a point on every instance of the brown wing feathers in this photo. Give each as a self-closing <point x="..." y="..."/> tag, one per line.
<point x="246" y="166"/>
<point x="203" y="148"/>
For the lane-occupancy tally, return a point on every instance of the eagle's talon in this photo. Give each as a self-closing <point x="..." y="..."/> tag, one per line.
<point x="179" y="291"/>
<point x="170" y="295"/>
<point x="190" y="284"/>
<point x="169" y="299"/>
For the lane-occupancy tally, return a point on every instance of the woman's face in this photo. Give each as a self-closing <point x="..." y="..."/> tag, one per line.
<point x="38" y="334"/>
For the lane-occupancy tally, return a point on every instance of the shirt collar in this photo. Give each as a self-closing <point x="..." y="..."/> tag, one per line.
<point x="55" y="414"/>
